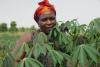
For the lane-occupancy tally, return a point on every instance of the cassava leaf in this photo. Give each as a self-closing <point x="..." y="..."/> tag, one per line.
<point x="23" y="48"/>
<point x="40" y="38"/>
<point x="91" y="54"/>
<point x="75" y="53"/>
<point x="20" y="50"/>
<point x="92" y="49"/>
<point x="20" y="64"/>
<point x="39" y="49"/>
<point x="33" y="62"/>
<point x="27" y="49"/>
<point x="82" y="56"/>
<point x="29" y="62"/>
<point x="56" y="57"/>
<point x="66" y="56"/>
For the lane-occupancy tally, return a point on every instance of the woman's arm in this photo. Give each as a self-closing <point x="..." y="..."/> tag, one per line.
<point x="26" y="37"/>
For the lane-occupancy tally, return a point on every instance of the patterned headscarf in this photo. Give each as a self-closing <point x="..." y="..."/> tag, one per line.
<point x="44" y="6"/>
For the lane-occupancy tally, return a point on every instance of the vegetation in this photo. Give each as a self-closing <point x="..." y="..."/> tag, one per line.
<point x="77" y="44"/>
<point x="13" y="28"/>
<point x="3" y="27"/>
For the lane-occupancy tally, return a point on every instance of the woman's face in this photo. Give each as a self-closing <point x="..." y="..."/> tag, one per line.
<point x="47" y="21"/>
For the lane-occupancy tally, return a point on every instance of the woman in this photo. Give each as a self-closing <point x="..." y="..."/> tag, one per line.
<point x="45" y="16"/>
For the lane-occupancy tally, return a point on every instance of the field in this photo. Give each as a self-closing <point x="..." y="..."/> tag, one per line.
<point x="9" y="39"/>
<point x="77" y="44"/>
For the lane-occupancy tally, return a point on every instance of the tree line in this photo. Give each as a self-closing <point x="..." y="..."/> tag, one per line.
<point x="13" y="27"/>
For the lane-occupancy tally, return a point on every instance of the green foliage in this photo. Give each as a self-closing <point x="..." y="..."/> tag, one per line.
<point x="29" y="62"/>
<point x="22" y="29"/>
<point x="83" y="53"/>
<point x="3" y="27"/>
<point x="23" y="48"/>
<point x="8" y="40"/>
<point x="13" y="27"/>
<point x="56" y="57"/>
<point x="40" y="38"/>
<point x="77" y="44"/>
<point x="6" y="57"/>
<point x="25" y="29"/>
<point x="32" y="28"/>
<point x="69" y="41"/>
<point x="39" y="49"/>
<point x="9" y="61"/>
<point x="94" y="25"/>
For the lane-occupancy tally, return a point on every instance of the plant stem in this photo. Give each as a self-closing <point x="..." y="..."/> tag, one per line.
<point x="77" y="63"/>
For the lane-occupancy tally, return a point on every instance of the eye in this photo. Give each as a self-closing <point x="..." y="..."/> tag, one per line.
<point x="44" y="19"/>
<point x="52" y="18"/>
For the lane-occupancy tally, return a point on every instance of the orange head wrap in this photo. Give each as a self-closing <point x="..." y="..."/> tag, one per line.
<point x="45" y="6"/>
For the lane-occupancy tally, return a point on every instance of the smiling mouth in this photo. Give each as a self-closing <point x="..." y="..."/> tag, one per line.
<point x="49" y="27"/>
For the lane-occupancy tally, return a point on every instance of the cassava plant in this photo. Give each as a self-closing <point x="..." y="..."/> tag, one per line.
<point x="76" y="45"/>
<point x="6" y="58"/>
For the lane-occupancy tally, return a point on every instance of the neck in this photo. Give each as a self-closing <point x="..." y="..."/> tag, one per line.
<point x="46" y="32"/>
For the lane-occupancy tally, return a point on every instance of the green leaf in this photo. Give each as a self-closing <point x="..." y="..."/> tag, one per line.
<point x="36" y="51"/>
<point x="21" y="64"/>
<point x="33" y="63"/>
<point x="20" y="50"/>
<point x="29" y="62"/>
<point x="66" y="56"/>
<point x="62" y="38"/>
<point x="75" y="53"/>
<point x="48" y="47"/>
<point x="27" y="49"/>
<point x="52" y="56"/>
<point x="54" y="33"/>
<point x="40" y="38"/>
<point x="56" y="57"/>
<point x="95" y="24"/>
<point x="91" y="54"/>
<point x="92" y="49"/>
<point x="23" y="48"/>
<point x="82" y="56"/>
<point x="39" y="49"/>
<point x="8" y="58"/>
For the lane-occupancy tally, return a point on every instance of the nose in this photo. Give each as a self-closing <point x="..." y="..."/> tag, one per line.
<point x="48" y="21"/>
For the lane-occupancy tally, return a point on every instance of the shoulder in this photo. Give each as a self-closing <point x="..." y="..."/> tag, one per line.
<point x="25" y="37"/>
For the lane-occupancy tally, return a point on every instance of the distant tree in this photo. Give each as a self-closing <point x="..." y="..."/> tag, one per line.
<point x="32" y="28"/>
<point x="13" y="27"/>
<point x="22" y="29"/>
<point x="0" y="28"/>
<point x="3" y="27"/>
<point x="27" y="29"/>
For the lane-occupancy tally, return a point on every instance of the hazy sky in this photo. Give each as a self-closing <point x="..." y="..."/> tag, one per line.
<point x="22" y="11"/>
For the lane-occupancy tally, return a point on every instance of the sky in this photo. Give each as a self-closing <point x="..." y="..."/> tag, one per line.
<point x="22" y="11"/>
